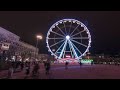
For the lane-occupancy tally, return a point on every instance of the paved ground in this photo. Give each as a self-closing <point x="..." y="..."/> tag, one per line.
<point x="74" y="71"/>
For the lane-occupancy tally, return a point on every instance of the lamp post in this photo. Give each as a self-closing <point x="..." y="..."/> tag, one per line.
<point x="39" y="37"/>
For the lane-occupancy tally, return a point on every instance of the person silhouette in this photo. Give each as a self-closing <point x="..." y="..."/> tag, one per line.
<point x="66" y="65"/>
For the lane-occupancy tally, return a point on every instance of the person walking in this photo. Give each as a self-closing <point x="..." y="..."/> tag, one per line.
<point x="27" y="68"/>
<point x="36" y="69"/>
<point x="22" y="65"/>
<point x="10" y="70"/>
<point x="66" y="65"/>
<point x="47" y="67"/>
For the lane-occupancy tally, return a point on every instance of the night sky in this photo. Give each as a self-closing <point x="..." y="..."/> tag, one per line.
<point x="104" y="26"/>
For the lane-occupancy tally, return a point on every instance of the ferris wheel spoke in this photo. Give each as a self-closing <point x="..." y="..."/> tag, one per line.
<point x="73" y="49"/>
<point x="63" y="49"/>
<point x="77" y="33"/>
<point x="75" y="29"/>
<point x="79" y="43"/>
<point x="70" y="27"/>
<point x="55" y="38"/>
<point x="57" y="33"/>
<point x="56" y="43"/>
<point x="77" y="49"/>
<point x="61" y="30"/>
<point x="80" y="38"/>
<point x="59" y="47"/>
<point x="65" y="28"/>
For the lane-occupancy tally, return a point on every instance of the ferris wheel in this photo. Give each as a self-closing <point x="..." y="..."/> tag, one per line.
<point x="68" y="37"/>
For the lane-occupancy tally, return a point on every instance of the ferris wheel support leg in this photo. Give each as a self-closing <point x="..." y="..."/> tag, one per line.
<point x="63" y="49"/>
<point x="73" y="49"/>
<point x="64" y="54"/>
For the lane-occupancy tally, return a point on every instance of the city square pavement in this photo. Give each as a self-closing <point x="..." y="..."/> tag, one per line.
<point x="74" y="71"/>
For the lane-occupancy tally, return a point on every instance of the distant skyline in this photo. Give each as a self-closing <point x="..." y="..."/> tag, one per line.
<point x="104" y="26"/>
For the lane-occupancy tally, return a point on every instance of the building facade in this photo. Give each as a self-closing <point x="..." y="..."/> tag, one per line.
<point x="15" y="46"/>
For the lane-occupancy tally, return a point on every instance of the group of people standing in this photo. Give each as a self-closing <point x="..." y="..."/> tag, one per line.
<point x="13" y="66"/>
<point x="29" y="68"/>
<point x="47" y="67"/>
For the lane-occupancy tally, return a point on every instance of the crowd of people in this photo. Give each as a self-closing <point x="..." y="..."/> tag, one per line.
<point x="109" y="61"/>
<point x="29" y="68"/>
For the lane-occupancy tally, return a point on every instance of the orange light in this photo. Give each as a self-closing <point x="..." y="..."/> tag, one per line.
<point x="39" y="37"/>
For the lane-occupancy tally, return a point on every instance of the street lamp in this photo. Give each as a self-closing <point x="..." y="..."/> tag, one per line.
<point x="39" y="37"/>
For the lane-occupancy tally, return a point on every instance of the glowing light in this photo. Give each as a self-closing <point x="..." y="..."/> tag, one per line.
<point x="67" y="56"/>
<point x="20" y="60"/>
<point x="60" y="22"/>
<point x="78" y="22"/>
<point x="56" y="24"/>
<point x="81" y="25"/>
<point x="65" y="21"/>
<point x="13" y="58"/>
<point x="86" y="60"/>
<point x="67" y="37"/>
<point x="53" y="50"/>
<point x="85" y="28"/>
<point x="39" y="37"/>
<point x="74" y="21"/>
<point x="70" y="60"/>
<point x="27" y="59"/>
<point x="51" y="30"/>
<point x="53" y="26"/>
<point x="69" y="20"/>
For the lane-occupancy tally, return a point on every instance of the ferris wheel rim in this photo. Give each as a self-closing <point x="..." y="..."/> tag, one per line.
<point x="70" y="20"/>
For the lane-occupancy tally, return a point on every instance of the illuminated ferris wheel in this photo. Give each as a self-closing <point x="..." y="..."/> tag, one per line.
<point x="68" y="37"/>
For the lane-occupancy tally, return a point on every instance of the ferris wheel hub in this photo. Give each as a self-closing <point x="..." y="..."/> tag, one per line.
<point x="67" y="37"/>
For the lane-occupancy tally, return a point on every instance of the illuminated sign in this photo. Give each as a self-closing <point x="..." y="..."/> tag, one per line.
<point x="86" y="60"/>
<point x="68" y="56"/>
<point x="70" y="60"/>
